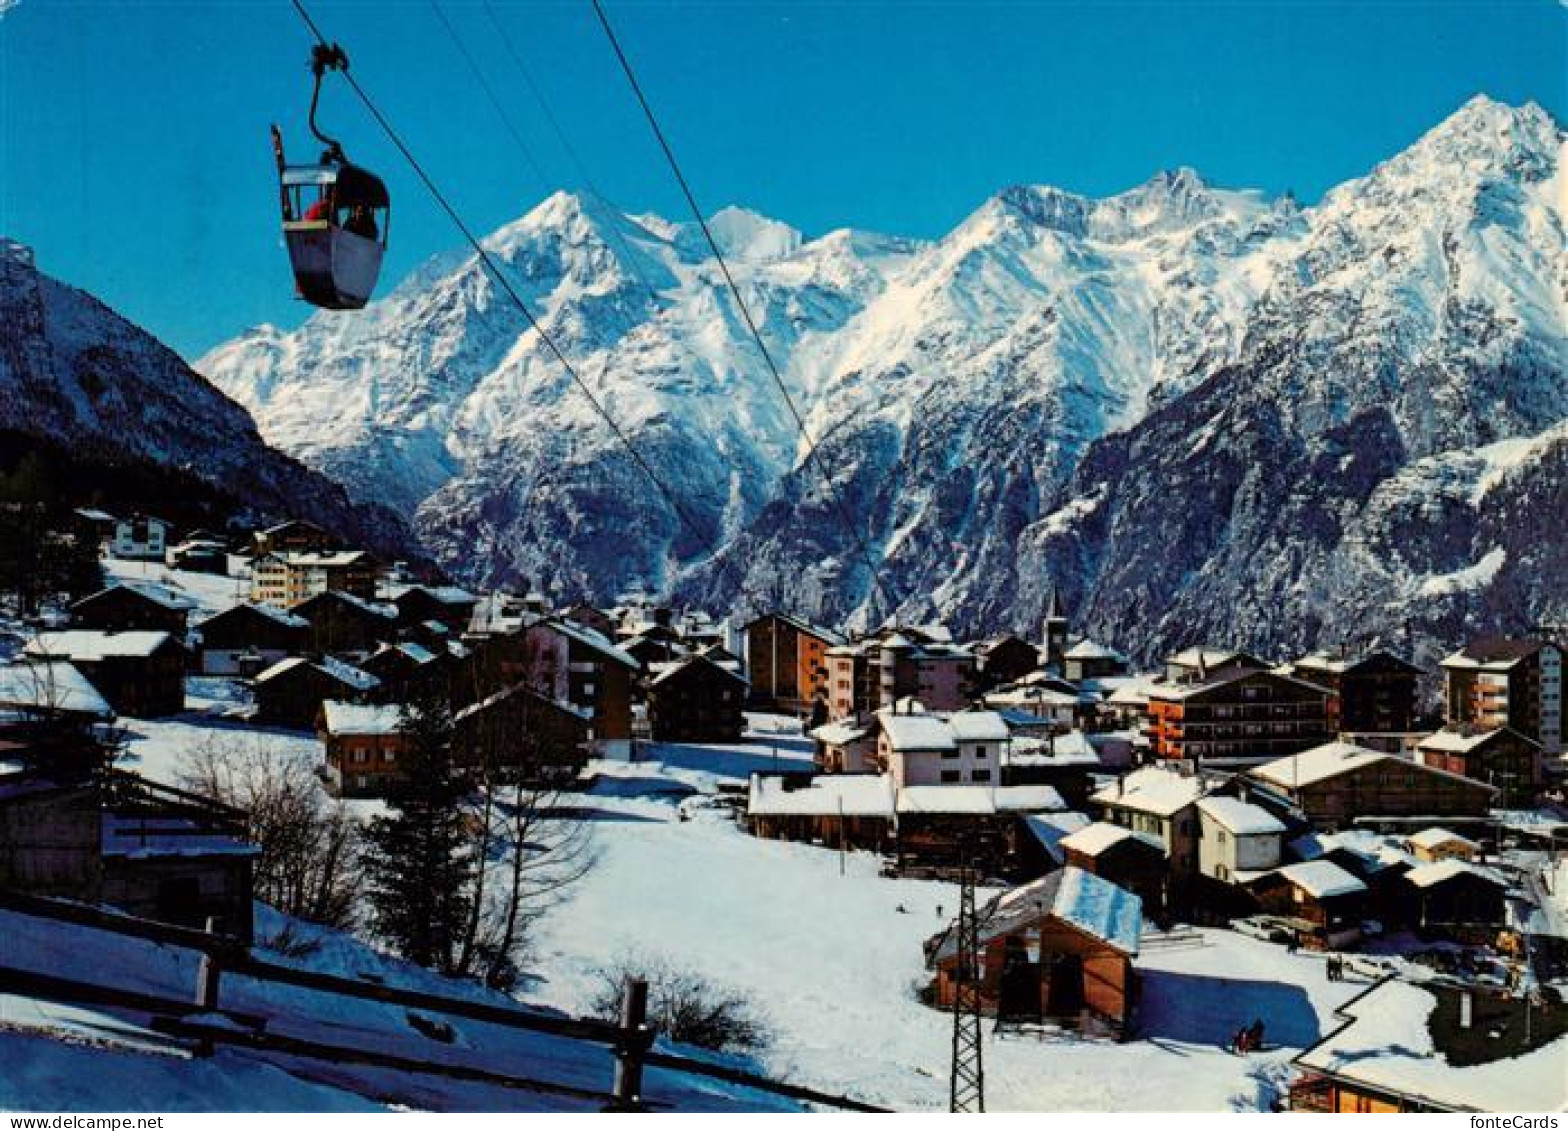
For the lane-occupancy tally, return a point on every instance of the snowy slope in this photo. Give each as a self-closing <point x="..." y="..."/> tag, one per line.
<point x="993" y="407"/>
<point x="76" y="376"/>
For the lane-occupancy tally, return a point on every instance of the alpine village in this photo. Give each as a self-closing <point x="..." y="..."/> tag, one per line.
<point x="1108" y="657"/>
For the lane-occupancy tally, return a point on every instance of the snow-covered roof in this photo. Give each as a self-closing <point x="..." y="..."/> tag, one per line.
<point x="1388" y="1046"/>
<point x="1134" y="692"/>
<point x="840" y="733"/>
<point x="146" y="837"/>
<point x="1494" y="653"/>
<point x="1450" y="741"/>
<point x="825" y="634"/>
<point x="1081" y="899"/>
<point x="446" y="594"/>
<point x="348" y="673"/>
<point x="320" y="558"/>
<point x="1436" y="837"/>
<point x="1091" y="840"/>
<point x="591" y="638"/>
<point x="916" y="732"/>
<point x="1050" y="829"/>
<point x="828" y="795"/>
<point x="971" y="799"/>
<point x="1321" y="879"/>
<point x="56" y="686"/>
<point x="271" y="612"/>
<point x="85" y="645"/>
<point x="667" y="671"/>
<point x="1241" y="818"/>
<point x="978" y="726"/>
<point x="287" y="664"/>
<point x="1154" y="790"/>
<point x="1427" y="875"/>
<point x="162" y="595"/>
<point x="1374" y="851"/>
<point x="1318" y="764"/>
<point x="360" y="718"/>
<point x="1033" y="697"/>
<point x="1087" y="649"/>
<point x="1070" y="749"/>
<point x="1027" y="798"/>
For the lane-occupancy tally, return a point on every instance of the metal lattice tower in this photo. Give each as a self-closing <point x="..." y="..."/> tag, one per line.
<point x="968" y="1075"/>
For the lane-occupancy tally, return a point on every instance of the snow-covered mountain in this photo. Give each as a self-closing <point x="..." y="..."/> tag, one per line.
<point x="107" y="397"/>
<point x="1061" y="390"/>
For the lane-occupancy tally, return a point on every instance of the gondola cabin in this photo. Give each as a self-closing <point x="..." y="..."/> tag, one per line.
<point x="335" y="219"/>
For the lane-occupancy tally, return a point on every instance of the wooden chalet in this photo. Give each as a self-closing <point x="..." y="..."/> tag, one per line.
<point x="834" y="810"/>
<point x="1338" y="782"/>
<point x="1131" y="860"/>
<point x="1091" y="660"/>
<point x="1003" y="659"/>
<point x="291" y="692"/>
<point x="363" y="746"/>
<point x="1500" y="756"/>
<point x="1324" y="903"/>
<point x="134" y="606"/>
<point x="574" y="664"/>
<point x="696" y="700"/>
<point x="447" y="604"/>
<point x="141" y="674"/>
<point x="1059" y="949"/>
<point x="343" y="623"/>
<point x="523" y="736"/>
<point x="943" y="828"/>
<point x="1433" y="845"/>
<point x="245" y="640"/>
<point x="294" y="536"/>
<point x="405" y="671"/>
<point x="1238" y="714"/>
<point x="115" y="838"/>
<point x="1457" y="898"/>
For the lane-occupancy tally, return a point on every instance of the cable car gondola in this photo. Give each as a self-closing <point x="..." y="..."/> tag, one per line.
<point x="335" y="214"/>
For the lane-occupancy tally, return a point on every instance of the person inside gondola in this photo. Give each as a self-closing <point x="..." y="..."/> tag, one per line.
<point x="321" y="210"/>
<point x="362" y="222"/>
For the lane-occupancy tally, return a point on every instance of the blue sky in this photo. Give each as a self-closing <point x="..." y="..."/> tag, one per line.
<point x="134" y="153"/>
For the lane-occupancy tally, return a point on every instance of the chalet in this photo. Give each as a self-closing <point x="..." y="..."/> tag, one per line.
<point x="95" y="527"/>
<point x="294" y="536"/>
<point x="523" y="735"/>
<point x="845" y="748"/>
<point x="291" y="692"/>
<point x="1500" y="681"/>
<point x="404" y="671"/>
<point x="118" y="839"/>
<point x="1237" y="840"/>
<point x="286" y="578"/>
<point x="1003" y="659"/>
<point x="1337" y="783"/>
<point x="1198" y="664"/>
<point x="1457" y="897"/>
<point x="446" y="604"/>
<point x="1134" y="861"/>
<point x="1376" y="690"/>
<point x="571" y="663"/>
<point x="1501" y="756"/>
<point x="590" y="616"/>
<point x="1379" y="861"/>
<point x="696" y="700"/>
<point x="1065" y="761"/>
<point x="245" y="640"/>
<point x="48" y="715"/>
<point x="1435" y="844"/>
<point x="837" y="810"/>
<point x="1238" y="714"/>
<point x="1041" y="850"/>
<point x="1163" y="803"/>
<point x="875" y="672"/>
<point x="786" y="661"/>
<point x="1054" y="706"/>
<point x="141" y="674"/>
<point x="922" y="749"/>
<point x="1088" y="660"/>
<point x="343" y="623"/>
<point x="1057" y="949"/>
<point x="362" y="745"/>
<point x="944" y="828"/>
<point x="653" y="648"/>
<point x="140" y="537"/>
<point x="199" y="555"/>
<point x="1407" y="1047"/>
<point x="134" y="606"/>
<point x="1324" y="903"/>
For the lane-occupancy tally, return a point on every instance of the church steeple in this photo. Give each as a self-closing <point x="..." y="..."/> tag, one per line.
<point x="1056" y="628"/>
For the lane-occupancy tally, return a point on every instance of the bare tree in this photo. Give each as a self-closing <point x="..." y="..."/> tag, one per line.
<point x="684" y="1006"/>
<point x="308" y="841"/>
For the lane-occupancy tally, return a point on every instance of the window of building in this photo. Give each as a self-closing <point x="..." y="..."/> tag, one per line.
<point x="979" y="751"/>
<point x="949" y="776"/>
<point x="980" y="775"/>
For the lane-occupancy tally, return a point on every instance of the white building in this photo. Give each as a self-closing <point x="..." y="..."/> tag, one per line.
<point x="1237" y="840"/>
<point x="966" y="748"/>
<point x="140" y="538"/>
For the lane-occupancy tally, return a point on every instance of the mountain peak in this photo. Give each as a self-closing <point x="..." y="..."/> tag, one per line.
<point x="744" y="234"/>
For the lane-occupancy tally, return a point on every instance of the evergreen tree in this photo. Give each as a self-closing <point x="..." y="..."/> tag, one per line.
<point x="416" y="857"/>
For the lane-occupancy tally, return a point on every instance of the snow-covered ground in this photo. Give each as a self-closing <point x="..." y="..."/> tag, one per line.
<point x="833" y="960"/>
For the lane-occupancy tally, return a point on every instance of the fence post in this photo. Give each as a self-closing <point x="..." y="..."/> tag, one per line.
<point x="209" y="972"/>
<point x="635" y="1037"/>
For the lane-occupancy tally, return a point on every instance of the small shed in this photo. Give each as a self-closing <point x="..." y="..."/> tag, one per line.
<point x="1436" y="844"/>
<point x="1133" y="860"/>
<point x="1457" y="897"/>
<point x="848" y="810"/>
<point x="1058" y="949"/>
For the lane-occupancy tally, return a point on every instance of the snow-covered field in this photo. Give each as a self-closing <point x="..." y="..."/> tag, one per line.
<point x="830" y="951"/>
<point x="833" y="960"/>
